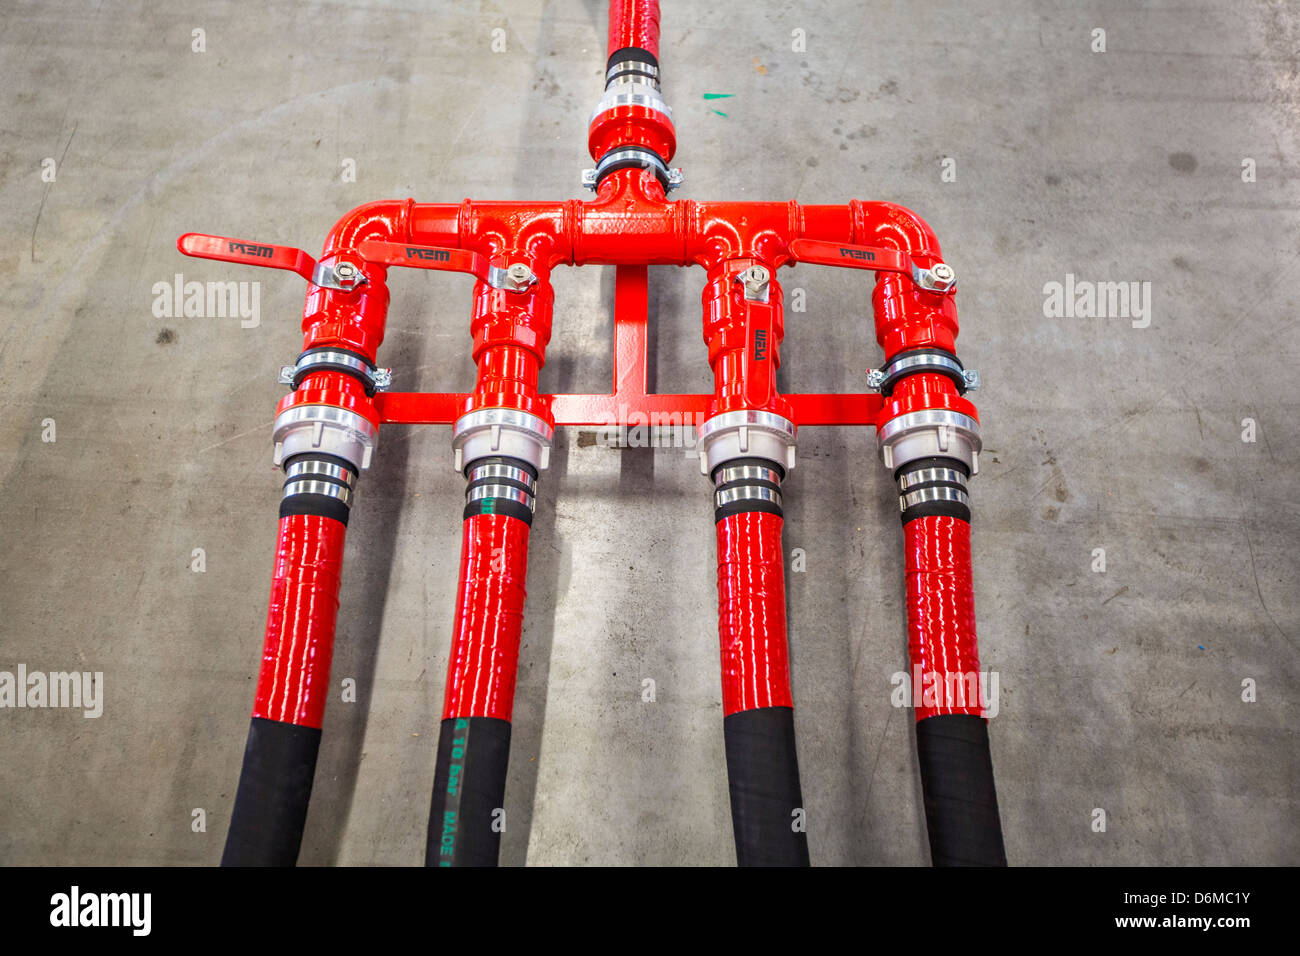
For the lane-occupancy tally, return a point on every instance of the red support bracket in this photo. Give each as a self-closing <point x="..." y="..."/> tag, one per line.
<point x="630" y="395"/>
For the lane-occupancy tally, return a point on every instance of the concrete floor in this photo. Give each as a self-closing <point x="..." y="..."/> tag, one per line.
<point x="1120" y="690"/>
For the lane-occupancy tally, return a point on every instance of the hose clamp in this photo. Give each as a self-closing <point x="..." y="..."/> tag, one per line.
<point x="506" y="492"/>
<point x="324" y="430"/>
<point x="747" y="433"/>
<point x="746" y="493"/>
<point x="884" y="379"/>
<point x="303" y="469"/>
<point x="634" y="69"/>
<point x="632" y="156"/>
<point x="318" y="360"/>
<point x="507" y="432"/>
<point x="925" y="496"/>
<point x="930" y="433"/>
<point x="329" y="489"/>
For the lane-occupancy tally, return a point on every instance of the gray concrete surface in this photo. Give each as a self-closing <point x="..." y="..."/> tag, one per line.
<point x="1120" y="690"/>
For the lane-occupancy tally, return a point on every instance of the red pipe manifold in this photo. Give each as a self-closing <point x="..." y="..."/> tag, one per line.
<point x="327" y="430"/>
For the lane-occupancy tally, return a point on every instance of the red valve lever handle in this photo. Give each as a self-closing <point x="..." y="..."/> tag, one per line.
<point x="425" y="257"/>
<point x="855" y="257"/>
<point x="269" y="256"/>
<point x="225" y="249"/>
<point x="758" y="371"/>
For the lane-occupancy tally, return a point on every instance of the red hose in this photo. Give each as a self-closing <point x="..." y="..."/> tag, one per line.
<point x="634" y="23"/>
<point x="489" y="618"/>
<point x="941" y="617"/>
<point x="751" y="612"/>
<point x="294" y="680"/>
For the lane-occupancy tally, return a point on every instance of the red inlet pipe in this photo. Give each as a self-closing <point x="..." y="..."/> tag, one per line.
<point x="747" y="445"/>
<point x="467" y="812"/>
<point x="751" y="613"/>
<point x="767" y="810"/>
<point x="634" y="23"/>
<point x="293" y="682"/>
<point x="489" y="618"/>
<point x="941" y="616"/>
<point x="325" y="431"/>
<point x="952" y="742"/>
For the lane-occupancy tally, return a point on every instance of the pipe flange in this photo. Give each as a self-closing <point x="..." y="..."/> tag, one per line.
<point x="508" y="432"/>
<point x="930" y="433"/>
<point x="631" y="90"/>
<point x="325" y="430"/>
<point x="747" y="433"/>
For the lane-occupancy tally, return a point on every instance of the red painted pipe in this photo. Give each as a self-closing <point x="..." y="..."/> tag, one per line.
<point x="767" y="810"/>
<point x="634" y="23"/>
<point x="751" y="613"/>
<point x="467" y="811"/>
<point x="941" y="616"/>
<point x="294" y="680"/>
<point x="489" y="618"/>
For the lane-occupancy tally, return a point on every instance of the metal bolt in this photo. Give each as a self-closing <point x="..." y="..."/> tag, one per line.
<point x="519" y="272"/>
<point x="938" y="278"/>
<point x="345" y="270"/>
<point x="755" y="280"/>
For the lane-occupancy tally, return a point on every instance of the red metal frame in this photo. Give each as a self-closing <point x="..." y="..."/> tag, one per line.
<point x="629" y="395"/>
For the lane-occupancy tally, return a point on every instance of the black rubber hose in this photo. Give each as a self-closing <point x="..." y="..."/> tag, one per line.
<point x="961" y="802"/>
<point x="767" y="811"/>
<point x="274" y="789"/>
<point x="469" y="789"/>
